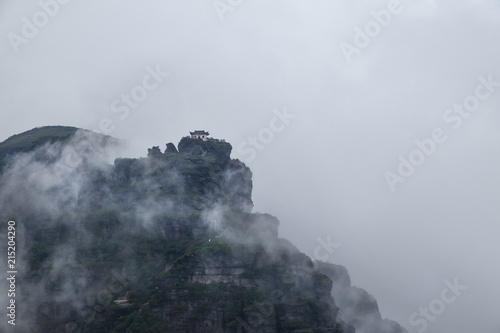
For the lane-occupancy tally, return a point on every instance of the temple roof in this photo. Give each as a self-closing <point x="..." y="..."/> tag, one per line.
<point x="202" y="132"/>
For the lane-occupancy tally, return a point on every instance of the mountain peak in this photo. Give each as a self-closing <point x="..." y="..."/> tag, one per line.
<point x="163" y="243"/>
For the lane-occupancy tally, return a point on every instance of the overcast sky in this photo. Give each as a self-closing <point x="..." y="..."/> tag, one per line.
<point x="322" y="101"/>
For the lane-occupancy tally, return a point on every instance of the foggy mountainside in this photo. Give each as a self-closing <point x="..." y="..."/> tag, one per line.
<point x="162" y="243"/>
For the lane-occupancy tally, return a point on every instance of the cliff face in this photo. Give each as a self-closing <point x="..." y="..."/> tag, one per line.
<point x="165" y="243"/>
<point x="243" y="289"/>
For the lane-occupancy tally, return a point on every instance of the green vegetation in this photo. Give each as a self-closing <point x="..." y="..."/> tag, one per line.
<point x="30" y="140"/>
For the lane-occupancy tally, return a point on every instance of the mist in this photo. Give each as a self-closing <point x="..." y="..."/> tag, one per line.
<point x="320" y="127"/>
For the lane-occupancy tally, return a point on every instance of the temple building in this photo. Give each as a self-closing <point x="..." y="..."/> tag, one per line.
<point x="203" y="135"/>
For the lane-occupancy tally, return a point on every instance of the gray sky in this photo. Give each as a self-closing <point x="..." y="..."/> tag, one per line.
<point x="353" y="110"/>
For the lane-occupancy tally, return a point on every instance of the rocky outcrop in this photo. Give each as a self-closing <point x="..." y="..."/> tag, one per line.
<point x="218" y="149"/>
<point x="201" y="175"/>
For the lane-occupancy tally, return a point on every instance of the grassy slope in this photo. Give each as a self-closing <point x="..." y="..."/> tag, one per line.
<point x="34" y="138"/>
